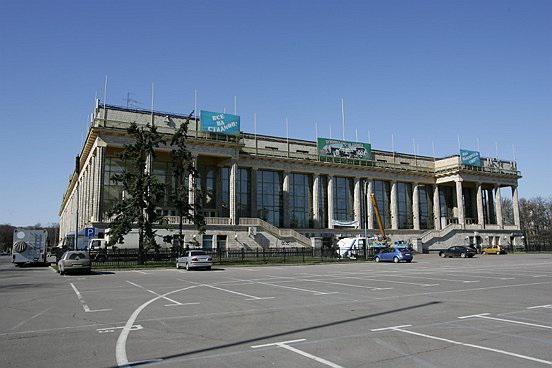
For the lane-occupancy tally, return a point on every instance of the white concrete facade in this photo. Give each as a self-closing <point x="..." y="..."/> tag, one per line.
<point x="452" y="193"/>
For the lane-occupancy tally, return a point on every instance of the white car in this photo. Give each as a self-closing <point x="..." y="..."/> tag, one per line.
<point x="195" y="259"/>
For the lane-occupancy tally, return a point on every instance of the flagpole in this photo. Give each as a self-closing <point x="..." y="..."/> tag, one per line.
<point x="104" y="99"/>
<point x="316" y="130"/>
<point x="255" y="130"/>
<point x="415" y="155"/>
<point x="235" y="105"/>
<point x="342" y="119"/>
<point x="356" y="134"/>
<point x="152" y="101"/>
<point x="433" y="147"/>
<point x="393" y="145"/>
<point x="195" y="112"/>
<point x="330" y="132"/>
<point x="287" y="136"/>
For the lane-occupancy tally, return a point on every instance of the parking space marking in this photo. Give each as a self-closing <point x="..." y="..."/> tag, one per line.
<point x="142" y="272"/>
<point x="486" y="316"/>
<point x="120" y="346"/>
<point x="29" y="319"/>
<point x="331" y="283"/>
<point x="315" y="292"/>
<point x="249" y="297"/>
<point x="390" y="281"/>
<point x="499" y="351"/>
<point x="112" y="329"/>
<point x="547" y="306"/>
<point x="84" y="305"/>
<point x="174" y="302"/>
<point x="284" y="344"/>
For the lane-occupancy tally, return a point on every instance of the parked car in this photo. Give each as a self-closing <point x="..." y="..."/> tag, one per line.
<point x="458" y="251"/>
<point x="195" y="259"/>
<point x="74" y="261"/>
<point x="493" y="249"/>
<point x="394" y="255"/>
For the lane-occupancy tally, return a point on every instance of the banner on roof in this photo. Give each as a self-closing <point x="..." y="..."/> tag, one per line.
<point x="218" y="122"/>
<point x="470" y="158"/>
<point x="344" y="149"/>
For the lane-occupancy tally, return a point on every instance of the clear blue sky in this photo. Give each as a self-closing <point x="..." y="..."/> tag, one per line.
<point x="423" y="70"/>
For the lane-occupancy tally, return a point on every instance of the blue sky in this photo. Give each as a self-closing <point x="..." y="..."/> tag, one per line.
<point x="424" y="70"/>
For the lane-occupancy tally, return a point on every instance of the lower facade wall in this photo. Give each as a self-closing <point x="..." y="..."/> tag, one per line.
<point x="239" y="237"/>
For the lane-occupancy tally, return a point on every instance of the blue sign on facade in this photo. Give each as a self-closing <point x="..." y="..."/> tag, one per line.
<point x="471" y="158"/>
<point x="218" y="122"/>
<point x="90" y="232"/>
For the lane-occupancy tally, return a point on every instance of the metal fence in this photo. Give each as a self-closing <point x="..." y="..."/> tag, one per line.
<point x="126" y="258"/>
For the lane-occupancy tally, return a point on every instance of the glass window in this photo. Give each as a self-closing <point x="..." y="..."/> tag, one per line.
<point x="426" y="207"/>
<point x="207" y="242"/>
<point x="208" y="186"/>
<point x="269" y="196"/>
<point x="343" y="199"/>
<point x="382" y="192"/>
<point x="300" y="200"/>
<point x="323" y="200"/>
<point x="225" y="192"/>
<point x="404" y="199"/>
<point x="243" y="192"/>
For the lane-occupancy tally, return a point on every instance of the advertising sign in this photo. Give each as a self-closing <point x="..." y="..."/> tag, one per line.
<point x="218" y="122"/>
<point x="344" y="149"/>
<point x="471" y="158"/>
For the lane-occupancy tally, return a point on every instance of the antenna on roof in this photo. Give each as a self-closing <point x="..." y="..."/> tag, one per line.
<point x="131" y="102"/>
<point x="152" y="101"/>
<point x="342" y="119"/>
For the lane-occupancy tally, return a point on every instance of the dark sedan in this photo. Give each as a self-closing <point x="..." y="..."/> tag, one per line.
<point x="458" y="251"/>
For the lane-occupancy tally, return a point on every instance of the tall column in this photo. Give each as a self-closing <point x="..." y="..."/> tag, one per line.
<point x="233" y="193"/>
<point x="369" y="207"/>
<point x="498" y="206"/>
<point x="480" y="217"/>
<point x="416" y="206"/>
<point x="460" y="202"/>
<point x="316" y="201"/>
<point x="253" y="198"/>
<point x="286" y="198"/>
<point x="394" y="206"/>
<point x="192" y="185"/>
<point x="330" y="201"/>
<point x="515" y="205"/>
<point x="357" y="204"/>
<point x="436" y="208"/>
<point x="99" y="165"/>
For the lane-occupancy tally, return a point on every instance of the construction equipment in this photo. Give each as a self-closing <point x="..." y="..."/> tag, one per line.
<point x="378" y="215"/>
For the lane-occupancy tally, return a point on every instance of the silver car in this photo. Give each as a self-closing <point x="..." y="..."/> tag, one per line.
<point x="195" y="259"/>
<point x="74" y="261"/>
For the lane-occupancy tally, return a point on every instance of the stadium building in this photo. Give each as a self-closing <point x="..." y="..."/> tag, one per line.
<point x="265" y="191"/>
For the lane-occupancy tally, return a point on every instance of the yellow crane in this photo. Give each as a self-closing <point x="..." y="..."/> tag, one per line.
<point x="378" y="216"/>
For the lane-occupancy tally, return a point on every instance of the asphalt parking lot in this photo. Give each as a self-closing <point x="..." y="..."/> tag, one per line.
<point x="490" y="311"/>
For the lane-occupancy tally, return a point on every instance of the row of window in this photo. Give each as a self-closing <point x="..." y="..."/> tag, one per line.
<point x="214" y="185"/>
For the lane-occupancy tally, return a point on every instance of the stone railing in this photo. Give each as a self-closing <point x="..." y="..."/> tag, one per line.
<point x="275" y="231"/>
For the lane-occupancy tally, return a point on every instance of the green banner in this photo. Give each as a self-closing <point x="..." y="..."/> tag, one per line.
<point x="344" y="149"/>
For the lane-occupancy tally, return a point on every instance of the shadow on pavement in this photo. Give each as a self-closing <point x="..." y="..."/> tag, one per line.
<point x="249" y="341"/>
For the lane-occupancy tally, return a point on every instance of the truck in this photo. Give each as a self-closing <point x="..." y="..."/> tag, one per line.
<point x="29" y="247"/>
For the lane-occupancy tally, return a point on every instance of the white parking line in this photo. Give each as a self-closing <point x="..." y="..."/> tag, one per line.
<point x="142" y="272"/>
<point x="250" y="297"/>
<point x="31" y="318"/>
<point x="332" y="283"/>
<point x="390" y="281"/>
<point x="400" y="329"/>
<point x="120" y="346"/>
<point x="284" y="344"/>
<point x="315" y="292"/>
<point x="486" y="316"/>
<point x="166" y="298"/>
<point x="84" y="305"/>
<point x="547" y="306"/>
<point x="112" y="329"/>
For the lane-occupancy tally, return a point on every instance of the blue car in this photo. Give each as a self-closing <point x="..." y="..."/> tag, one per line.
<point x="394" y="255"/>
